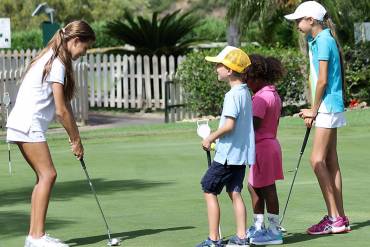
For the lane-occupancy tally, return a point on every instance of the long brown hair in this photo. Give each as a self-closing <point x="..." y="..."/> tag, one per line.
<point x="76" y="29"/>
<point x="328" y="23"/>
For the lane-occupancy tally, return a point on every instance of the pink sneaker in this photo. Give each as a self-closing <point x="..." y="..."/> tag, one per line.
<point x="339" y="225"/>
<point x="323" y="227"/>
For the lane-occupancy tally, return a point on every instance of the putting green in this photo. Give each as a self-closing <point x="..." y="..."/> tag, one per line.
<point x="147" y="179"/>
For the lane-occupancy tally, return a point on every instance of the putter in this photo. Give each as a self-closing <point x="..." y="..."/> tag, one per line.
<point x="112" y="241"/>
<point x="203" y="131"/>
<point x="6" y="101"/>
<point x="295" y="174"/>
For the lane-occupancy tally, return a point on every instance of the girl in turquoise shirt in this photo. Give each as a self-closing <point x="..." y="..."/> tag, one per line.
<point x="327" y="111"/>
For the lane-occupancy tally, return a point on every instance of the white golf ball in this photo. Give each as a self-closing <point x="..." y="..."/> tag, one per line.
<point x="114" y="242"/>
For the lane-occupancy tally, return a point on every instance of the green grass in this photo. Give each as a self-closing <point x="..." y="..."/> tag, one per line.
<point x="147" y="179"/>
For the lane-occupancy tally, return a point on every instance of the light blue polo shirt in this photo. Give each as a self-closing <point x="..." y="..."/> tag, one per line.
<point x="323" y="47"/>
<point x="237" y="147"/>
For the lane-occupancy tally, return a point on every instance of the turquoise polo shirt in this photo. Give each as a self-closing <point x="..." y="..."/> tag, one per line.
<point x="324" y="48"/>
<point x="237" y="147"/>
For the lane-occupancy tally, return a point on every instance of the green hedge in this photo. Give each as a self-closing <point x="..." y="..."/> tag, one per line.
<point x="205" y="93"/>
<point x="102" y="38"/>
<point x="358" y="72"/>
<point x="32" y="39"/>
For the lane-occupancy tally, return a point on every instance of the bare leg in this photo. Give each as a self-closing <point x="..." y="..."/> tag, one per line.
<point x="322" y="140"/>
<point x="271" y="198"/>
<point x="240" y="213"/>
<point x="333" y="166"/>
<point x="213" y="210"/>
<point x="258" y="202"/>
<point x="38" y="157"/>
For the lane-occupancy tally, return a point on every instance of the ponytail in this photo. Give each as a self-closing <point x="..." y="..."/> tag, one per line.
<point x="328" y="23"/>
<point x="75" y="29"/>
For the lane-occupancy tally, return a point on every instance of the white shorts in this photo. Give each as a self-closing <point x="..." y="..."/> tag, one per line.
<point x="13" y="135"/>
<point x="330" y="120"/>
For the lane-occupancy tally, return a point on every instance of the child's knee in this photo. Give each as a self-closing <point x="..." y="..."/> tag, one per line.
<point x="317" y="163"/>
<point x="48" y="176"/>
<point x="235" y="195"/>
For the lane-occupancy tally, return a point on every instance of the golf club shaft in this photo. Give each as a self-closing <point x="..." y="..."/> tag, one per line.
<point x="96" y="197"/>
<point x="209" y="158"/>
<point x="9" y="160"/>
<point x="308" y="130"/>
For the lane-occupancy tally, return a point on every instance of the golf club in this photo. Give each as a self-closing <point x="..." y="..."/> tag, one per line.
<point x="295" y="174"/>
<point x="112" y="241"/>
<point x="6" y="101"/>
<point x="203" y="131"/>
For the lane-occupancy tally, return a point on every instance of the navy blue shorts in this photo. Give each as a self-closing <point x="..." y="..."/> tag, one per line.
<point x="218" y="175"/>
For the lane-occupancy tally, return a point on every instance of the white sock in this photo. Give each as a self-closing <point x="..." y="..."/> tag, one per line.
<point x="258" y="221"/>
<point x="333" y="219"/>
<point x="274" y="225"/>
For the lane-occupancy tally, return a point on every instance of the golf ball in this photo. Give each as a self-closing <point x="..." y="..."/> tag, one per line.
<point x="114" y="242"/>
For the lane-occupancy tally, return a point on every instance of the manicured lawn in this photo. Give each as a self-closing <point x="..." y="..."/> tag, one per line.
<point x="147" y="179"/>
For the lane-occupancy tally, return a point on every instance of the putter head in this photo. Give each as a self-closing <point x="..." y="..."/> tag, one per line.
<point x="114" y="242"/>
<point x="282" y="229"/>
<point x="203" y="129"/>
<point x="6" y="99"/>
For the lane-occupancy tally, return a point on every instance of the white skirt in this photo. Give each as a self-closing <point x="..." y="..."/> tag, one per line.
<point x="13" y="135"/>
<point x="330" y="120"/>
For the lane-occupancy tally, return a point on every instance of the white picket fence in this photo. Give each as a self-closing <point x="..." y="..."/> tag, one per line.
<point x="111" y="81"/>
<point x="9" y="81"/>
<point x="129" y="82"/>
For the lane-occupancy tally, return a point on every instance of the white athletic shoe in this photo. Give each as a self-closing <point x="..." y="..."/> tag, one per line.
<point x="44" y="241"/>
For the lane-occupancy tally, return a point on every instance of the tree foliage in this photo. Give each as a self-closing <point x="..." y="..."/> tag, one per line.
<point x="20" y="11"/>
<point x="268" y="17"/>
<point x="166" y="35"/>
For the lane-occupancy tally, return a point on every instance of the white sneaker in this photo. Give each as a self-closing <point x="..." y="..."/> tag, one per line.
<point x="44" y="241"/>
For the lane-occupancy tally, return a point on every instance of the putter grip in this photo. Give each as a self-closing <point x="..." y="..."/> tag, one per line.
<point x="209" y="158"/>
<point x="305" y="140"/>
<point x="83" y="163"/>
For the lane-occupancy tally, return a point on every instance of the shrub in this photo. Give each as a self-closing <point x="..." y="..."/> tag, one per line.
<point x="102" y="38"/>
<point x="166" y="35"/>
<point x="357" y="75"/>
<point x="31" y="39"/>
<point x="204" y="93"/>
<point x="212" y="29"/>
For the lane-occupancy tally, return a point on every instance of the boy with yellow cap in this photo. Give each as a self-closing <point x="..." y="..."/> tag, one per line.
<point x="235" y="147"/>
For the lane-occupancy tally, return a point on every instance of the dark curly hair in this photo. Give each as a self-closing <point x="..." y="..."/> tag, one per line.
<point x="267" y="69"/>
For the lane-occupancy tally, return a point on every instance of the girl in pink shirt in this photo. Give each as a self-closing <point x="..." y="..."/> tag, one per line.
<point x="268" y="168"/>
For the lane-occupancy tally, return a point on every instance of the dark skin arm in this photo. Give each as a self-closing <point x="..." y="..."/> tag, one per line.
<point x="257" y="123"/>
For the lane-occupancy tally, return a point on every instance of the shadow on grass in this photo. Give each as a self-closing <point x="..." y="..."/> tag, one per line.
<point x="17" y="223"/>
<point x="358" y="225"/>
<point x="291" y="238"/>
<point x="69" y="189"/>
<point x="122" y="235"/>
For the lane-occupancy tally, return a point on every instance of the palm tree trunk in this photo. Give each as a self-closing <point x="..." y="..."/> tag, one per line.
<point x="303" y="47"/>
<point x="233" y="34"/>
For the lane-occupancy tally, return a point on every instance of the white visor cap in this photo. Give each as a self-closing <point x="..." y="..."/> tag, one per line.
<point x="308" y="9"/>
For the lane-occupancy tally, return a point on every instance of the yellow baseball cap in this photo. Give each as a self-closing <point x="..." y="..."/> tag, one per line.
<point x="233" y="58"/>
